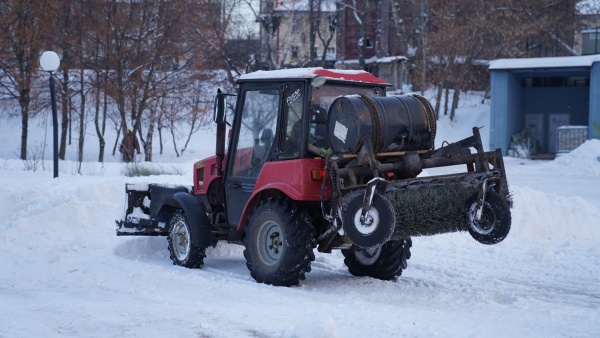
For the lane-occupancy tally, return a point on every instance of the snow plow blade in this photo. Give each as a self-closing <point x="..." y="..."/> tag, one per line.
<point x="144" y="215"/>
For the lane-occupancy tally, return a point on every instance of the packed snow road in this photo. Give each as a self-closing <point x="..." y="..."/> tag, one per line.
<point x="66" y="274"/>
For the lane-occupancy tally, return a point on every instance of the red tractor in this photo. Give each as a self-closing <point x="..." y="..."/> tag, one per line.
<point x="323" y="159"/>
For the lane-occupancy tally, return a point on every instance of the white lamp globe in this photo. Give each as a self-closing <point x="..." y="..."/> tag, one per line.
<point x="49" y="61"/>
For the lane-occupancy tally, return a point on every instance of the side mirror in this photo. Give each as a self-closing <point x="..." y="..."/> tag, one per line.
<point x="318" y="81"/>
<point x="219" y="108"/>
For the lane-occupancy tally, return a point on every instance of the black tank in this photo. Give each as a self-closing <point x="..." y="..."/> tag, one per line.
<point x="393" y="123"/>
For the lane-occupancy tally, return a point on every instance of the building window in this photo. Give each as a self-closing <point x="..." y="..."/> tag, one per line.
<point x="369" y="43"/>
<point x="294" y="26"/>
<point x="557" y="81"/>
<point x="294" y="52"/>
<point x="330" y="50"/>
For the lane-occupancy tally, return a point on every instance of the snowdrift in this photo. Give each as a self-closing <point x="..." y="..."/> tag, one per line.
<point x="74" y="212"/>
<point x="583" y="161"/>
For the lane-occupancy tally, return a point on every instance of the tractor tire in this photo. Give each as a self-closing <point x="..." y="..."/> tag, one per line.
<point x="385" y="262"/>
<point x="494" y="225"/>
<point x="181" y="249"/>
<point x="279" y="243"/>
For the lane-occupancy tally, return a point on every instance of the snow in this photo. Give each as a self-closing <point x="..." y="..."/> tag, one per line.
<point x="374" y="59"/>
<point x="550" y="62"/>
<point x="307" y="73"/>
<point x="66" y="274"/>
<point x="588" y="7"/>
<point x="389" y="59"/>
<point x="327" y="6"/>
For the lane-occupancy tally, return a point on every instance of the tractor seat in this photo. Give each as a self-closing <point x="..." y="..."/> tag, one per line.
<point x="261" y="150"/>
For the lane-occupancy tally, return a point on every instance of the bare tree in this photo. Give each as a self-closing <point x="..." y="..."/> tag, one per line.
<point x="449" y="37"/>
<point x="332" y="22"/>
<point x="22" y="28"/>
<point x="146" y="45"/>
<point x="224" y="24"/>
<point x="269" y="22"/>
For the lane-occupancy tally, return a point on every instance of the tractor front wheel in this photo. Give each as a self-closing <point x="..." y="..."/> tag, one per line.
<point x="279" y="243"/>
<point x="181" y="248"/>
<point x="385" y="262"/>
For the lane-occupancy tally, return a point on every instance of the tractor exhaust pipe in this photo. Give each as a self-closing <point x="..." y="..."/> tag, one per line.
<point x="219" y="117"/>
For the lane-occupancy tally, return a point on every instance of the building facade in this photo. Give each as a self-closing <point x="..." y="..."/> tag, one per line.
<point x="541" y="95"/>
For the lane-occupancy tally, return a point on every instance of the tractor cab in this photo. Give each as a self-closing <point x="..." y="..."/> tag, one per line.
<point x="279" y="125"/>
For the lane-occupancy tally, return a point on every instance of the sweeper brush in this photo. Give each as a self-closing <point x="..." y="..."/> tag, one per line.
<point x="376" y="195"/>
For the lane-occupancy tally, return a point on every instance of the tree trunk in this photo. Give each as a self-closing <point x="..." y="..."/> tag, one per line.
<point x="446" y="100"/>
<point x="361" y="45"/>
<point x="81" y="116"/>
<point x="119" y="130"/>
<point x="454" y="103"/>
<point x="65" y="114"/>
<point x="485" y="94"/>
<point x="423" y="23"/>
<point x="160" y="125"/>
<point x="160" y="141"/>
<point x="100" y="131"/>
<point x="311" y="32"/>
<point x="149" y="136"/>
<point x="148" y="146"/>
<point x="24" y="130"/>
<point x="438" y="100"/>
<point x="174" y="139"/>
<point x="120" y="73"/>
<point x="192" y="127"/>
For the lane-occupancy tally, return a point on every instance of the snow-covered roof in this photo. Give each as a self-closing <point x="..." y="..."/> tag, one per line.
<point x="388" y="59"/>
<point x="309" y="73"/>
<point x="551" y="62"/>
<point x="372" y="59"/>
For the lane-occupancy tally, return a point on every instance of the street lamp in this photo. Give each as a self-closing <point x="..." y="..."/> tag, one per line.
<point x="50" y="62"/>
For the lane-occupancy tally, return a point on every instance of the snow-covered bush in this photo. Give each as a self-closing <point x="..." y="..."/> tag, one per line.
<point x="522" y="145"/>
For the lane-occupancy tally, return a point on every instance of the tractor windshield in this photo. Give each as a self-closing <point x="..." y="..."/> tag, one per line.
<point x="257" y="130"/>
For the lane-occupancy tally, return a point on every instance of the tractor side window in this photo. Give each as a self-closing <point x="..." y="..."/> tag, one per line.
<point x="293" y="107"/>
<point x="257" y="131"/>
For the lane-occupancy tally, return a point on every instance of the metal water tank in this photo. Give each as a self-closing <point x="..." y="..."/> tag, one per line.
<point x="393" y="123"/>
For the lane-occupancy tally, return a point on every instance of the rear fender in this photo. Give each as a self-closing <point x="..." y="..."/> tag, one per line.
<point x="195" y="211"/>
<point x="268" y="191"/>
<point x="292" y="178"/>
<point x="160" y="196"/>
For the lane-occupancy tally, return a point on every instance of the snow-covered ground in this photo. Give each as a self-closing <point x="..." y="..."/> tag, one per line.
<point x="64" y="273"/>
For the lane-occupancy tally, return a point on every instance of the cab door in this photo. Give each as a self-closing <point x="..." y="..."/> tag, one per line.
<point x="253" y="144"/>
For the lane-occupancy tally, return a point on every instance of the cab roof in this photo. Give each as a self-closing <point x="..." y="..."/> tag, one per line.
<point x="357" y="76"/>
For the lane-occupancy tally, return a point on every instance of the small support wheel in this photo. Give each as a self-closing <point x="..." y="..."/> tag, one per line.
<point x="376" y="227"/>
<point x="494" y="223"/>
<point x="181" y="248"/>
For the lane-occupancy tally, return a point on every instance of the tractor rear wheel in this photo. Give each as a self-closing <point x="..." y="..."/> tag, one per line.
<point x="279" y="243"/>
<point x="181" y="248"/>
<point x="385" y="262"/>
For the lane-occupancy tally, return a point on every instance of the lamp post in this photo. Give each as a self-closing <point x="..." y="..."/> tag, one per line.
<point x="50" y="62"/>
